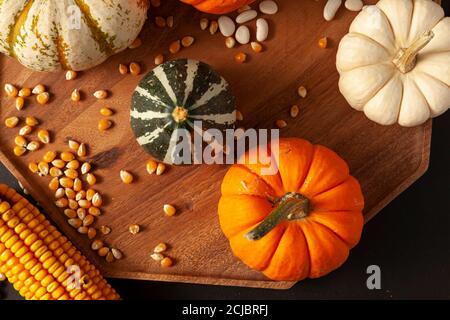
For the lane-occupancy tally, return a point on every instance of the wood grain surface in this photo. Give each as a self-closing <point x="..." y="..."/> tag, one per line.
<point x="386" y="160"/>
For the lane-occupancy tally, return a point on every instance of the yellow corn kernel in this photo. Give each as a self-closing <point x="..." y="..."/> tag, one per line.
<point x="44" y="136"/>
<point x="55" y="172"/>
<point x="67" y="156"/>
<point x="74" y="164"/>
<point x="90" y="194"/>
<point x="31" y="121"/>
<point x="71" y="173"/>
<point x="19" y="151"/>
<point x="123" y="69"/>
<point x="43" y="168"/>
<point x="39" y="89"/>
<point x="20" y="141"/>
<point x="11" y="91"/>
<point x="33" y="146"/>
<point x="91" y="179"/>
<point x="169" y="210"/>
<point x="151" y="166"/>
<point x="54" y="184"/>
<point x="81" y="152"/>
<point x="58" y="163"/>
<point x="175" y="47"/>
<point x="126" y="177"/>
<point x="107" y="112"/>
<point x="135" y="69"/>
<point x="75" y="96"/>
<point x="33" y="167"/>
<point x="73" y="145"/>
<point x="49" y="156"/>
<point x="20" y="103"/>
<point x="160" y="169"/>
<point x="85" y="168"/>
<point x="11" y="122"/>
<point x="104" y="124"/>
<point x="43" y="98"/>
<point x="25" y="92"/>
<point x="66" y="182"/>
<point x="77" y="185"/>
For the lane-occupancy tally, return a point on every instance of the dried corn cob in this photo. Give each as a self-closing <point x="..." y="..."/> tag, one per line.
<point x="35" y="256"/>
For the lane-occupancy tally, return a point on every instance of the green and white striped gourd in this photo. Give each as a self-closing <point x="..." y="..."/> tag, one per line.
<point x="50" y="35"/>
<point x="173" y="96"/>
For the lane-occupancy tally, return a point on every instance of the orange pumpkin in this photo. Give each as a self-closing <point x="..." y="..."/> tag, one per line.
<point x="218" y="6"/>
<point x="299" y="222"/>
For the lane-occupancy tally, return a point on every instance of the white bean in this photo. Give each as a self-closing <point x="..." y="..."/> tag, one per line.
<point x="262" y="29"/>
<point x="226" y="26"/>
<point x="268" y="7"/>
<point x="331" y="8"/>
<point x="354" y="5"/>
<point x="243" y="35"/>
<point x="246" y="16"/>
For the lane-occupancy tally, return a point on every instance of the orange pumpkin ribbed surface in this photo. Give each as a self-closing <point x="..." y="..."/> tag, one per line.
<point x="218" y="6"/>
<point x="297" y="223"/>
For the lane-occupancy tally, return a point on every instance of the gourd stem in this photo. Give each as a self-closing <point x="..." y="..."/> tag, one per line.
<point x="180" y="114"/>
<point x="405" y="60"/>
<point x="292" y="206"/>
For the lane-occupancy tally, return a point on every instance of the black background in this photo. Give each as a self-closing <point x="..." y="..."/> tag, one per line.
<point x="409" y="240"/>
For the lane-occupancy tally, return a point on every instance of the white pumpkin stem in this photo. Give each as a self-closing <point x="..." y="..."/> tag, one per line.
<point x="405" y="60"/>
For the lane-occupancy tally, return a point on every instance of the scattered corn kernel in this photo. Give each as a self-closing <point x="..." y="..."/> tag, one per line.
<point x="43" y="168"/>
<point x="11" y="91"/>
<point x="105" y="230"/>
<point x="80" y="195"/>
<point x="69" y="213"/>
<point x="11" y="122"/>
<point x="230" y="42"/>
<point x="169" y="210"/>
<point x="25" y="92"/>
<point x="74" y="164"/>
<point x="32" y="166"/>
<point x="157" y="256"/>
<point x="187" y="41"/>
<point x="323" y="43"/>
<point x="75" y="96"/>
<point x="213" y="27"/>
<point x="104" y="124"/>
<point x="70" y="193"/>
<point x="91" y="179"/>
<point x="54" y="184"/>
<point x="90" y="194"/>
<point x="73" y="204"/>
<point x="44" y="136"/>
<point x="77" y="185"/>
<point x="103" y="251"/>
<point x="166" y="262"/>
<point x="294" y="111"/>
<point x="126" y="177"/>
<point x="67" y="156"/>
<point x="83" y="230"/>
<point x="239" y="116"/>
<point x="81" y="152"/>
<point x="151" y="166"/>
<point x="25" y="130"/>
<point x="88" y="220"/>
<point x="66" y="182"/>
<point x="62" y="203"/>
<point x="135" y="69"/>
<point x="97" y="200"/>
<point x="81" y="213"/>
<point x="159" y="59"/>
<point x="204" y="23"/>
<point x="160" y="169"/>
<point x="175" y="47"/>
<point x="136" y="43"/>
<point x="134" y="228"/>
<point x="101" y="94"/>
<point x="85" y="204"/>
<point x="169" y="21"/>
<point x="38" y="89"/>
<point x="49" y="156"/>
<point x="58" y="163"/>
<point x="94" y="211"/>
<point x="123" y="69"/>
<point x="107" y="112"/>
<point x="71" y="173"/>
<point x="43" y="98"/>
<point x="161" y="247"/>
<point x="85" y="168"/>
<point x="31" y="121"/>
<point x="160" y="22"/>
<point x="256" y="46"/>
<point x="302" y="92"/>
<point x="240" y="57"/>
<point x="281" y="124"/>
<point x="71" y="75"/>
<point x="109" y="257"/>
<point x="20" y="141"/>
<point x="73" y="145"/>
<point x="33" y="146"/>
<point x="20" y="103"/>
<point x="76" y="223"/>
<point x="117" y="253"/>
<point x="96" y="244"/>
<point x="55" y="172"/>
<point x="91" y="233"/>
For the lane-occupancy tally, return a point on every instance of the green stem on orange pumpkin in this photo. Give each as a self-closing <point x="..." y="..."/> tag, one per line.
<point x="292" y="206"/>
<point x="405" y="60"/>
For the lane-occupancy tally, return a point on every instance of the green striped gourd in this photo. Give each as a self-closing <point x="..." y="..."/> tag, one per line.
<point x="50" y="35"/>
<point x="173" y="96"/>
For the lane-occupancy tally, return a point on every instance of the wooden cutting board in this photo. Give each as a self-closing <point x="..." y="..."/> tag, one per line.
<point x="386" y="160"/>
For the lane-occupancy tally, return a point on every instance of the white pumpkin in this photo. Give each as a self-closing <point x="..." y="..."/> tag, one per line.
<point x="395" y="62"/>
<point x="52" y="35"/>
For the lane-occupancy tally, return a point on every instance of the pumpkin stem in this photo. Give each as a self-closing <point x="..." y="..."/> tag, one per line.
<point x="291" y="206"/>
<point x="405" y="60"/>
<point x="180" y="114"/>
